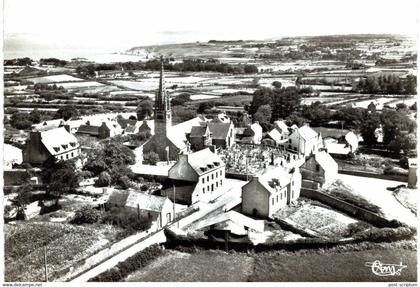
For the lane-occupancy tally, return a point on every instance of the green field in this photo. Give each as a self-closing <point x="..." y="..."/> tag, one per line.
<point x="279" y="266"/>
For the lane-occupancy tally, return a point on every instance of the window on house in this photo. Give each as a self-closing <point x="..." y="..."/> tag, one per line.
<point x="204" y="190"/>
<point x="217" y="184"/>
<point x="290" y="140"/>
<point x="217" y="175"/>
<point x="221" y="182"/>
<point x="208" y="188"/>
<point x="72" y="154"/>
<point x="208" y="178"/>
<point x="277" y="198"/>
<point x="212" y="187"/>
<point x="292" y="182"/>
<point x="212" y="176"/>
<point x="202" y="180"/>
<point x="272" y="201"/>
<point x="221" y="173"/>
<point x="67" y="156"/>
<point x="281" y="196"/>
<point x="317" y="167"/>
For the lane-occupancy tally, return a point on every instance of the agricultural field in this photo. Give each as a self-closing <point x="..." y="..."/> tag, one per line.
<point x="54" y="79"/>
<point x="325" y="265"/>
<point x="65" y="244"/>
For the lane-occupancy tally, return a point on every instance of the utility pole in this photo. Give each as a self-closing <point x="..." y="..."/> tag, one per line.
<point x="45" y="263"/>
<point x="173" y="187"/>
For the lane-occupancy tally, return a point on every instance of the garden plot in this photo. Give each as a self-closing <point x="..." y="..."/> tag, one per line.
<point x="323" y="220"/>
<point x="65" y="244"/>
<point x="54" y="79"/>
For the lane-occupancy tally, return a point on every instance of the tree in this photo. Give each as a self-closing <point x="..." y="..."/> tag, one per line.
<point x="63" y="179"/>
<point x="181" y="99"/>
<point x="144" y="110"/>
<point x="261" y="97"/>
<point x="277" y="84"/>
<point x="66" y="112"/>
<point x="285" y="102"/>
<point x="103" y="180"/>
<point x="23" y="198"/>
<point x="151" y="158"/>
<point x="368" y="128"/>
<point x="263" y="114"/>
<point x="35" y="116"/>
<point x="393" y="123"/>
<point x="21" y="121"/>
<point x="204" y="107"/>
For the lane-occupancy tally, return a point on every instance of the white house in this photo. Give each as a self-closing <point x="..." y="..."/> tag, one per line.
<point x="318" y="169"/>
<point x="304" y="140"/>
<point x="265" y="194"/>
<point x="199" y="176"/>
<point x="57" y="143"/>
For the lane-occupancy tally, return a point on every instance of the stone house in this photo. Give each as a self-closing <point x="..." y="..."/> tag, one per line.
<point x="199" y="176"/>
<point x="265" y="194"/>
<point x="319" y="169"/>
<point x="57" y="143"/>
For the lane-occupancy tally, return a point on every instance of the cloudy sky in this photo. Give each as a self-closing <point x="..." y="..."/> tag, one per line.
<point x="125" y="23"/>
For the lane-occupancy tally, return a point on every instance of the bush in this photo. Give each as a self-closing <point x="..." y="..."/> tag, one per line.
<point x="103" y="180"/>
<point x="86" y="215"/>
<point x="131" y="264"/>
<point x="126" y="219"/>
<point x="385" y="234"/>
<point x="151" y="158"/>
<point x="356" y="227"/>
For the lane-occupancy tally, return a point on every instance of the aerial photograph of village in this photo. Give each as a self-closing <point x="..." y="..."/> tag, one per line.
<point x="220" y="158"/>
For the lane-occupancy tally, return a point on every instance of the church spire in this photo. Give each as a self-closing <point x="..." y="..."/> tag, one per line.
<point x="162" y="98"/>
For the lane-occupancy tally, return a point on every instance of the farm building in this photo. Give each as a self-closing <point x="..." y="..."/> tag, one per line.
<point x="251" y="134"/>
<point x="199" y="176"/>
<point x="265" y="194"/>
<point x="103" y="130"/>
<point x="318" y="169"/>
<point x="152" y="208"/>
<point x="57" y="143"/>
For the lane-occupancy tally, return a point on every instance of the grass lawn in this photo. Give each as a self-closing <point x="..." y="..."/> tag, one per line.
<point x="66" y="244"/>
<point x="339" y="264"/>
<point x="332" y="266"/>
<point x="204" y="266"/>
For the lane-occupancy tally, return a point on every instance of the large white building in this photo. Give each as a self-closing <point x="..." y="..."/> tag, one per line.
<point x="265" y="194"/>
<point x="57" y="143"/>
<point x="199" y="176"/>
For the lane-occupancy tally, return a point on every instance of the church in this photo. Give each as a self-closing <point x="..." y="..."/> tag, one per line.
<point x="165" y="142"/>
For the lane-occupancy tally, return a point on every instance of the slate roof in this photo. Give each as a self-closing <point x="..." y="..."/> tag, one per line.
<point x="88" y="129"/>
<point x="281" y="126"/>
<point x="275" y="178"/>
<point x="118" y="198"/>
<point x="275" y="135"/>
<point x="198" y="131"/>
<point x="307" y="133"/>
<point x="58" y="140"/>
<point x="146" y="201"/>
<point x="219" y="130"/>
<point x="330" y="132"/>
<point x="325" y="161"/>
<point x="204" y="161"/>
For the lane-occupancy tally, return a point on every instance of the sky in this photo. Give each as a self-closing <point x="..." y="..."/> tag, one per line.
<point x="121" y="24"/>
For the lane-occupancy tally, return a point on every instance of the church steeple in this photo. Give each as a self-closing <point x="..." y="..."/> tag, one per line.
<point x="163" y="116"/>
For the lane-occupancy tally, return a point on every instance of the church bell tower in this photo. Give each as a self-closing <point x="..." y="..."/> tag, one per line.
<point x="163" y="114"/>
